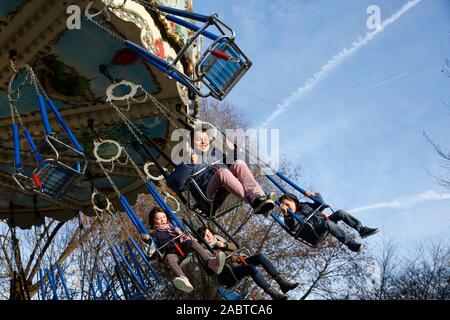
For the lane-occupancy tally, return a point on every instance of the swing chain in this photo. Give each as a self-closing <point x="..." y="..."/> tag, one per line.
<point x="138" y="170"/>
<point x="17" y="92"/>
<point x="13" y="111"/>
<point x="109" y="179"/>
<point x="125" y="162"/>
<point x="109" y="207"/>
<point x="106" y="229"/>
<point x="107" y="172"/>
<point x="146" y="96"/>
<point x="13" y="64"/>
<point x="94" y="133"/>
<point x="165" y="112"/>
<point x="34" y="80"/>
<point x="113" y="34"/>
<point x="127" y="122"/>
<point x="163" y="109"/>
<point x="152" y="6"/>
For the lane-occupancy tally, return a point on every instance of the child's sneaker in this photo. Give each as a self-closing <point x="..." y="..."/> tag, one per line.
<point x="183" y="284"/>
<point x="216" y="264"/>
<point x="367" y="232"/>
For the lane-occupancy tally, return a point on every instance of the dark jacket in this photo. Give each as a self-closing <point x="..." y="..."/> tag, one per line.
<point x="178" y="180"/>
<point x="202" y="174"/>
<point x="303" y="211"/>
<point x="165" y="235"/>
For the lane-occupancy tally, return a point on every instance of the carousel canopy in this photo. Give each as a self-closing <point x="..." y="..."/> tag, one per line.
<point x="75" y="67"/>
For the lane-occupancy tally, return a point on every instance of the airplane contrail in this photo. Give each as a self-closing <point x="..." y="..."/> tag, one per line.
<point x="382" y="83"/>
<point x="405" y="202"/>
<point x="336" y="60"/>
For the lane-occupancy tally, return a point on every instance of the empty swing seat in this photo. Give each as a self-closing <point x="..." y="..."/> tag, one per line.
<point x="221" y="75"/>
<point x="58" y="163"/>
<point x="55" y="179"/>
<point x="52" y="177"/>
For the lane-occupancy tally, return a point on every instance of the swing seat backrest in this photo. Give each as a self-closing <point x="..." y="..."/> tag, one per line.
<point x="226" y="203"/>
<point x="52" y="177"/>
<point x="222" y="204"/>
<point x="55" y="175"/>
<point x="231" y="295"/>
<point x="59" y="149"/>
<point x="308" y="235"/>
<point x="198" y="202"/>
<point x="55" y="179"/>
<point x="221" y="75"/>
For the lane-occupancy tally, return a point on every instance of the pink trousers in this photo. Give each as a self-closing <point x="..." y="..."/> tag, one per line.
<point x="238" y="180"/>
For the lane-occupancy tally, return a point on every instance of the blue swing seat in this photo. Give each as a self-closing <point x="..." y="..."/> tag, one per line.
<point x="51" y="176"/>
<point x="54" y="176"/>
<point x="220" y="66"/>
<point x="220" y="75"/>
<point x="55" y="179"/>
<point x="231" y="295"/>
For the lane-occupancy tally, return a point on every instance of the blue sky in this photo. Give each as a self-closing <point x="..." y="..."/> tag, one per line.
<point x="358" y="133"/>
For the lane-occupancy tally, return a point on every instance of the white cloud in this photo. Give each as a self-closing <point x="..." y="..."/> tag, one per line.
<point x="335" y="61"/>
<point x="405" y="202"/>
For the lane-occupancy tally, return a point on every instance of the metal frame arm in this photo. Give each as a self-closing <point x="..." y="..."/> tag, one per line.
<point x="192" y="182"/>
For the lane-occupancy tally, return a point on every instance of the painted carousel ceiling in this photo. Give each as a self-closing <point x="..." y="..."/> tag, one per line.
<point x="68" y="64"/>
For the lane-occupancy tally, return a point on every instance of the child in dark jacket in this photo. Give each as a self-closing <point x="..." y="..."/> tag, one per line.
<point x="211" y="175"/>
<point x="168" y="237"/>
<point x="242" y="266"/>
<point x="320" y="221"/>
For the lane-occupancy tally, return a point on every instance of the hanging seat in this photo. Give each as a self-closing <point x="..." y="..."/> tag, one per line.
<point x="306" y="232"/>
<point x="51" y="176"/>
<point x="53" y="165"/>
<point x="220" y="66"/>
<point x="223" y="203"/>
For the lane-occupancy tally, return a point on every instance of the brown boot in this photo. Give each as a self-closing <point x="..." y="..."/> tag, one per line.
<point x="275" y="295"/>
<point x="285" y="285"/>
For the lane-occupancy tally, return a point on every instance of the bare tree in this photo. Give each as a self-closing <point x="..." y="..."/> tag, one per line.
<point x="444" y="156"/>
<point x="425" y="275"/>
<point x="445" y="163"/>
<point x="422" y="274"/>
